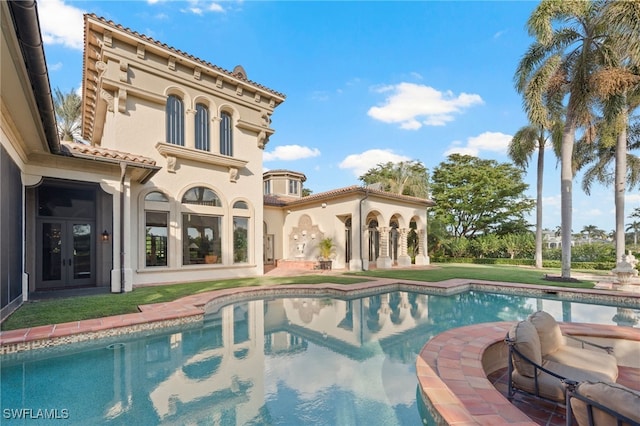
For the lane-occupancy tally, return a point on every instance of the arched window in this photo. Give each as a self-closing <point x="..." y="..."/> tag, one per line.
<point x="175" y="120"/>
<point x="240" y="205"/>
<point x="202" y="127"/>
<point x="226" y="134"/>
<point x="201" y="196"/>
<point x="201" y="227"/>
<point x="156" y="240"/>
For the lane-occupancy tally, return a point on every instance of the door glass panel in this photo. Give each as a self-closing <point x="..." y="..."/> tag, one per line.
<point x="82" y="251"/>
<point x="51" y="251"/>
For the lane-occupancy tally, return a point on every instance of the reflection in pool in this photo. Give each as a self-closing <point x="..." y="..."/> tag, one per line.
<point x="284" y="361"/>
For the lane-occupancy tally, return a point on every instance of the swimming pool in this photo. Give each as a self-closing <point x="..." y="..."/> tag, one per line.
<point x="280" y="361"/>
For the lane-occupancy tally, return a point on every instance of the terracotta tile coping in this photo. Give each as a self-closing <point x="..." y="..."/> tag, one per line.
<point x="453" y="380"/>
<point x="191" y="308"/>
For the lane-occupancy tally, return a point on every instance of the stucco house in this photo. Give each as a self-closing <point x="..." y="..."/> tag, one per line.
<point x="166" y="183"/>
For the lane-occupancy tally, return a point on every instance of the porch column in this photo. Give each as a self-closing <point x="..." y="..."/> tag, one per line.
<point x="384" y="261"/>
<point x="121" y="245"/>
<point x="403" y="258"/>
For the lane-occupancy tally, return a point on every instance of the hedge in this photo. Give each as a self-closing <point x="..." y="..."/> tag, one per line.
<point x="525" y="262"/>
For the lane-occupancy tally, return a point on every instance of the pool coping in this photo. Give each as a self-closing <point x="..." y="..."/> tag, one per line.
<point x="191" y="309"/>
<point x="453" y="380"/>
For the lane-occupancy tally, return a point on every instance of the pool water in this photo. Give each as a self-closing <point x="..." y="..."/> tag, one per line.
<point x="281" y="361"/>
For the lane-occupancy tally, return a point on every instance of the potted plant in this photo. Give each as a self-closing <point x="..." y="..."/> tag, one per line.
<point x="327" y="251"/>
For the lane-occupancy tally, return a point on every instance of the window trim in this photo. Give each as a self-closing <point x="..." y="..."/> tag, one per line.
<point x="174" y="120"/>
<point x="226" y="133"/>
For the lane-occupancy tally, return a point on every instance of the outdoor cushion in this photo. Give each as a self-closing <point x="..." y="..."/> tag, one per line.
<point x="612" y="395"/>
<point x="555" y="348"/>
<point x="551" y="387"/>
<point x="551" y="338"/>
<point x="595" y="361"/>
<point x="527" y="342"/>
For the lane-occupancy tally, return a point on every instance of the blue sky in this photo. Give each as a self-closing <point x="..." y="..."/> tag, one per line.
<point x="366" y="82"/>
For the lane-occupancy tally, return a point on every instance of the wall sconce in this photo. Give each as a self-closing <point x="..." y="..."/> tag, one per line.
<point x="313" y="236"/>
<point x="295" y="237"/>
<point x="304" y="233"/>
<point x="324" y="205"/>
<point x="288" y="211"/>
<point x="105" y="236"/>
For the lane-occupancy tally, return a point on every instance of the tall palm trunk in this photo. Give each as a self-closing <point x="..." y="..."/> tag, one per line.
<point x="566" y="194"/>
<point x="538" y="256"/>
<point x="620" y="184"/>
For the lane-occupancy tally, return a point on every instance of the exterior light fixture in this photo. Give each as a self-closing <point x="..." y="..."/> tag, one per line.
<point x="295" y="237"/>
<point x="324" y="205"/>
<point x="105" y="236"/>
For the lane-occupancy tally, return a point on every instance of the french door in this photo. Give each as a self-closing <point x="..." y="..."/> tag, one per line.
<point x="66" y="251"/>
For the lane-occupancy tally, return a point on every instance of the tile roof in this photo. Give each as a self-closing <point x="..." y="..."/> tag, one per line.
<point x="75" y="149"/>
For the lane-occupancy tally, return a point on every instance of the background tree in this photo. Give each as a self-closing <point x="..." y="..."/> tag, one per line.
<point x="525" y="142"/>
<point x="405" y="177"/>
<point x="475" y="196"/>
<point x="306" y="192"/>
<point x="67" y="108"/>
<point x="635" y="228"/>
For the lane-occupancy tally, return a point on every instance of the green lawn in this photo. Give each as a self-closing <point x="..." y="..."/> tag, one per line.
<point x="55" y="311"/>
<point x="447" y="271"/>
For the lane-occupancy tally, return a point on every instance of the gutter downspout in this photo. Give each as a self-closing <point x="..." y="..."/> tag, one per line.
<point x="366" y="195"/>
<point x="123" y="171"/>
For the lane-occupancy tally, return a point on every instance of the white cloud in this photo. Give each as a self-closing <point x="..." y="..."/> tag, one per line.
<point x="499" y="34"/>
<point x="414" y="105"/>
<point x="361" y="163"/>
<point x="55" y="67"/>
<point x="487" y="141"/>
<point x="61" y="23"/>
<point x="200" y="7"/>
<point x="290" y="153"/>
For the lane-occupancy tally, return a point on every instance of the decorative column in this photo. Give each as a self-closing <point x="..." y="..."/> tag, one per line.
<point x="404" y="259"/>
<point x="384" y="261"/>
<point x="422" y="258"/>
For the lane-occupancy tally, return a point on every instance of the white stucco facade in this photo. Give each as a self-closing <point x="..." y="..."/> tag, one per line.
<point x="166" y="183"/>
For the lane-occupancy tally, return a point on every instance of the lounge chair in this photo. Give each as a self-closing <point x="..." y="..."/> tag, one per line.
<point x="540" y="359"/>
<point x="598" y="403"/>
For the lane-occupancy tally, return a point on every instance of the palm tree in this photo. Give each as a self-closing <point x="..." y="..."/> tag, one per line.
<point x="68" y="109"/>
<point x="525" y="142"/>
<point x="570" y="43"/>
<point x="618" y="84"/>
<point x="590" y="230"/>
<point x="603" y="155"/>
<point x="635" y="227"/>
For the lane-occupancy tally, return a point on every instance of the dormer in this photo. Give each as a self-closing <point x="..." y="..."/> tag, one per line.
<point x="285" y="183"/>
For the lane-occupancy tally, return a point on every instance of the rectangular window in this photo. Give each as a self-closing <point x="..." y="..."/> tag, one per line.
<point x="201" y="239"/>
<point x="202" y="127"/>
<point x="156" y="238"/>
<point x="175" y="120"/>
<point x="267" y="187"/>
<point x="240" y="239"/>
<point x="226" y="135"/>
<point x="293" y="187"/>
